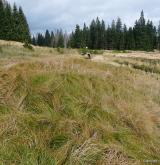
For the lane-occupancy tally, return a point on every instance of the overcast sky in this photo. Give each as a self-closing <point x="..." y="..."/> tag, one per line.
<point x="65" y="14"/>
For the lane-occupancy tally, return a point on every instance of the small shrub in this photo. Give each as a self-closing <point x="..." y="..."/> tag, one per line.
<point x="83" y="51"/>
<point x="60" y="50"/>
<point x="97" y="51"/>
<point x="28" y="46"/>
<point x="1" y="50"/>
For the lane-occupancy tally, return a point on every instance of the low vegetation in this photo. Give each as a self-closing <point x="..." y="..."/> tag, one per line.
<point x="147" y="65"/>
<point x="85" y="51"/>
<point x="62" y="109"/>
<point x="28" y="46"/>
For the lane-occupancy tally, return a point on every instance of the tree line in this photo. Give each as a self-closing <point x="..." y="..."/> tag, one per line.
<point x="13" y="23"/>
<point x="144" y="35"/>
<point x="51" y="39"/>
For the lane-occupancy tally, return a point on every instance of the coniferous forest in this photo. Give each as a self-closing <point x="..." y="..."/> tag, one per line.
<point x="117" y="36"/>
<point x="144" y="35"/>
<point x="13" y="23"/>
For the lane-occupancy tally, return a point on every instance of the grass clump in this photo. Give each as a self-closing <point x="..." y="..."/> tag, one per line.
<point x="58" y="141"/>
<point x="1" y="49"/>
<point x="60" y="50"/>
<point x="150" y="66"/>
<point x="69" y="111"/>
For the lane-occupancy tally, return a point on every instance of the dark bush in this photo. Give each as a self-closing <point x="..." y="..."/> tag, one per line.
<point x="60" y="50"/>
<point x="28" y="46"/>
<point x="1" y="50"/>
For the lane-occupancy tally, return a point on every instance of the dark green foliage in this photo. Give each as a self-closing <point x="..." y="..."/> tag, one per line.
<point x="60" y="39"/>
<point x="7" y="23"/>
<point x="52" y="39"/>
<point x="158" y="38"/>
<point x="60" y="50"/>
<point x="2" y="14"/>
<point x="34" y="41"/>
<point x="77" y="37"/>
<point x="119" y="42"/>
<point x="85" y="36"/>
<point x="14" y="25"/>
<point x="28" y="46"/>
<point x="1" y="50"/>
<point x="40" y="40"/>
<point x="47" y="38"/>
<point x="23" y="27"/>
<point x="143" y="36"/>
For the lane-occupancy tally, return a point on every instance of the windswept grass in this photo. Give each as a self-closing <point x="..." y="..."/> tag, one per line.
<point x="74" y="111"/>
<point x="147" y="65"/>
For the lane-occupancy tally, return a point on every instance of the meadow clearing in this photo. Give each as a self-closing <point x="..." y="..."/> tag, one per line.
<point x="59" y="108"/>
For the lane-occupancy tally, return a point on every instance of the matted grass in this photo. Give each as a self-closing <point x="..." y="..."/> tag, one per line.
<point x="63" y="109"/>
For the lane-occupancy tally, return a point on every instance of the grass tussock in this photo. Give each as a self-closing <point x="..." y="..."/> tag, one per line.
<point x="147" y="65"/>
<point x="74" y="111"/>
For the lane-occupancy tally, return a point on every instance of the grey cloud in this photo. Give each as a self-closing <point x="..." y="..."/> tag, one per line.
<point x="52" y="14"/>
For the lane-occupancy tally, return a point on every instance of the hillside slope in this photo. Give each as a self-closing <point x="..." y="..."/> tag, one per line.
<point x="63" y="109"/>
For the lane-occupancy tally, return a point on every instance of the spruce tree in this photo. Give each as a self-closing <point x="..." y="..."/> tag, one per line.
<point x="119" y="35"/>
<point x="98" y="34"/>
<point x="113" y="35"/>
<point x="71" y="40"/>
<point x="158" y="37"/>
<point x="140" y="33"/>
<point x="34" y="42"/>
<point x="2" y="18"/>
<point x="85" y="36"/>
<point x="108" y="38"/>
<point x="130" y="39"/>
<point x="150" y="36"/>
<point x="13" y="24"/>
<point x="23" y="27"/>
<point x="103" y="35"/>
<point x="77" y="37"/>
<point x="16" y="33"/>
<point x="40" y="40"/>
<point x="92" y="35"/>
<point x="60" y="41"/>
<point x="47" y="39"/>
<point x="52" y="40"/>
<point x="124" y="38"/>
<point x="8" y="23"/>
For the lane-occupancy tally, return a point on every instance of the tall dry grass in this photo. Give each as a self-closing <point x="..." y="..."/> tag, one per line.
<point x="57" y="109"/>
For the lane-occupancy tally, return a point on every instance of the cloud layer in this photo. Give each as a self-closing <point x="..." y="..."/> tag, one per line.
<point x="65" y="14"/>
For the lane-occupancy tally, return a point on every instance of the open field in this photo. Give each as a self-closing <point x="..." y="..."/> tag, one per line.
<point x="58" y="108"/>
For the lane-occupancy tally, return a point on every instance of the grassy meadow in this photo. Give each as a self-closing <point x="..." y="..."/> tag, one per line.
<point x="58" y="108"/>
